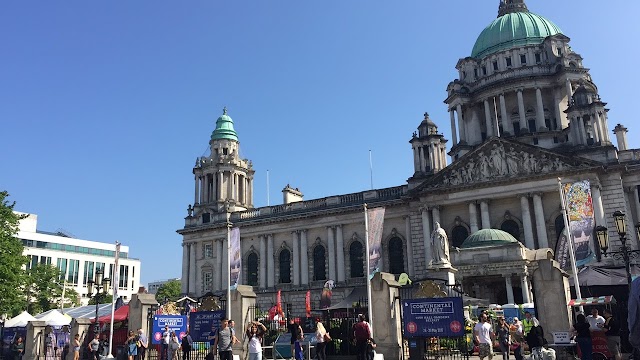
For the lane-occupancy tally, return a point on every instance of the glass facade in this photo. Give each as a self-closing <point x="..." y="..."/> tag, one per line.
<point x="71" y="248"/>
<point x="88" y="272"/>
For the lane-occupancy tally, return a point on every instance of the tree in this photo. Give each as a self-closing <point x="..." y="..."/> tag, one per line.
<point x="11" y="259"/>
<point x="71" y="298"/>
<point x="170" y="290"/>
<point x="43" y="288"/>
<point x="103" y="299"/>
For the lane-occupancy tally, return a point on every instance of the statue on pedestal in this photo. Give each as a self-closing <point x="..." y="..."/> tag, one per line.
<point x="439" y="246"/>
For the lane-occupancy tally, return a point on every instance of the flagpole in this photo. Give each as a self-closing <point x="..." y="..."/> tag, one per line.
<point x="115" y="281"/>
<point x="572" y="258"/>
<point x="228" y="305"/>
<point x="366" y="246"/>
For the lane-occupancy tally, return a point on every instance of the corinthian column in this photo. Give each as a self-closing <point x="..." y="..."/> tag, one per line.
<point x="271" y="269"/>
<point x="219" y="258"/>
<point x="454" y="135"/>
<point x="526" y="222"/>
<point x="263" y="261"/>
<point x="507" y="125"/>
<point x="296" y="258"/>
<point x="461" y="127"/>
<point x="332" y="253"/>
<point x="521" y="112"/>
<point x="185" y="269"/>
<point x="473" y="217"/>
<point x="484" y="214"/>
<point x="541" y="228"/>
<point x="193" y="268"/>
<point x="340" y="253"/>
<point x="407" y="232"/>
<point x="487" y="119"/>
<point x="304" y="257"/>
<point x="426" y="234"/>
<point x="540" y="123"/>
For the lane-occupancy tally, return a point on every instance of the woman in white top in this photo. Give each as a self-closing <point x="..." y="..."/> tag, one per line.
<point x="255" y="333"/>
<point x="322" y="337"/>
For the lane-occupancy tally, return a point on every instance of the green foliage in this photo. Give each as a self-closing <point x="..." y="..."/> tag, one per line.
<point x="43" y="288"/>
<point x="170" y="290"/>
<point x="102" y="299"/>
<point x="11" y="259"/>
<point x="71" y="298"/>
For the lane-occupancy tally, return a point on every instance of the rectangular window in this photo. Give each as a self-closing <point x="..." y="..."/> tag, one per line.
<point x="532" y="125"/>
<point x="208" y="251"/>
<point x="484" y="70"/>
<point x="111" y="273"/>
<point x="538" y="58"/>
<point x="523" y="59"/>
<point x="88" y="272"/>
<point x="133" y="276"/>
<point x="516" y="128"/>
<point x="124" y="277"/>
<point x="62" y="266"/>
<point x="508" y="61"/>
<point x="495" y="66"/>
<point x="206" y="217"/>
<point x="72" y="273"/>
<point x="207" y="280"/>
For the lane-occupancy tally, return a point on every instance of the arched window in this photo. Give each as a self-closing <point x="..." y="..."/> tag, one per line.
<point x="285" y="266"/>
<point x="252" y="269"/>
<point x="319" y="271"/>
<point x="512" y="228"/>
<point x="396" y="256"/>
<point x="356" y="258"/>
<point x="458" y="235"/>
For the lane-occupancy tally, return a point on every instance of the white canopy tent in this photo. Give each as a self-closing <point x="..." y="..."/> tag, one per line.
<point x="20" y="320"/>
<point x="55" y="318"/>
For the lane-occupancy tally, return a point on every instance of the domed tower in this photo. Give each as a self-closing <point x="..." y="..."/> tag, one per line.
<point x="429" y="154"/>
<point x="586" y="113"/>
<point x="518" y="82"/>
<point x="223" y="181"/>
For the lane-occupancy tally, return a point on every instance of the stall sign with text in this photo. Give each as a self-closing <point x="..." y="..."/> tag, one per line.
<point x="177" y="323"/>
<point x="433" y="317"/>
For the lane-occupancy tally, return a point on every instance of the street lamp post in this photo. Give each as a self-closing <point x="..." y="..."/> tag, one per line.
<point x="624" y="252"/>
<point x="100" y="283"/>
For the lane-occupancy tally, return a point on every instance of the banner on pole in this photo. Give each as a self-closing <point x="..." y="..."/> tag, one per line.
<point x="235" y="258"/>
<point x="375" y="218"/>
<point x="307" y="303"/>
<point x="116" y="273"/>
<point x="579" y="207"/>
<point x="279" y="303"/>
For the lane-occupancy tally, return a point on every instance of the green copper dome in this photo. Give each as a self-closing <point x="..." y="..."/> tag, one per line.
<point x="224" y="128"/>
<point x="511" y="30"/>
<point x="488" y="237"/>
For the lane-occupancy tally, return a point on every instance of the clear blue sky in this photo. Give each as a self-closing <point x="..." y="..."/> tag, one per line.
<point x="105" y="106"/>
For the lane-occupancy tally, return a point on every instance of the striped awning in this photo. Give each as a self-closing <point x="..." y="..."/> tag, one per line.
<point x="599" y="300"/>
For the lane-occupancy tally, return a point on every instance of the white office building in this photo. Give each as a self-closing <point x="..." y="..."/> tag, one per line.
<point x="78" y="259"/>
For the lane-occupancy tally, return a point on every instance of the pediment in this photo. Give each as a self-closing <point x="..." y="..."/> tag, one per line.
<point x="498" y="160"/>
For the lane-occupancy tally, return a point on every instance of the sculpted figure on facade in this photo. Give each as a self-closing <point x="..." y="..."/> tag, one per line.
<point x="439" y="246"/>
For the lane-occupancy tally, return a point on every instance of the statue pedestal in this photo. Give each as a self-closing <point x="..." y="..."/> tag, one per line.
<point x="442" y="271"/>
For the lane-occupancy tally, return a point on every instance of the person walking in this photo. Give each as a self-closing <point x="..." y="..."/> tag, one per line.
<point x="583" y="336"/>
<point x="484" y="337"/>
<point x="255" y="333"/>
<point x="94" y="347"/>
<point x="17" y="348"/>
<point x="187" y="344"/>
<point x="76" y="347"/>
<point x="295" y="331"/>
<point x="131" y="346"/>
<point x="174" y="346"/>
<point x="166" y="337"/>
<point x="535" y="339"/>
<point x="224" y="340"/>
<point x="362" y="334"/>
<point x="612" y="330"/>
<point x="527" y="323"/>
<point x="143" y="343"/>
<point x="504" y="338"/>
<point x="322" y="338"/>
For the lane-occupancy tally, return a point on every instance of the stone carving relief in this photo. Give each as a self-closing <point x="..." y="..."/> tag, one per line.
<point x="500" y="162"/>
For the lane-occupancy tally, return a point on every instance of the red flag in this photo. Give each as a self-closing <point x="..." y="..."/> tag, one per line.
<point x="307" y="303"/>
<point x="279" y="302"/>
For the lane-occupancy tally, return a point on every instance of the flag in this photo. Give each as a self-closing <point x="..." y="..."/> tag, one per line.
<point x="116" y="273"/>
<point x="279" y="302"/>
<point x="581" y="223"/>
<point x="235" y="258"/>
<point x="307" y="303"/>
<point x="375" y="219"/>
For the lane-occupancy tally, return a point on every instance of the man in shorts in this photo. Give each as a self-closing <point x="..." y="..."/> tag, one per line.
<point x="484" y="336"/>
<point x="224" y="341"/>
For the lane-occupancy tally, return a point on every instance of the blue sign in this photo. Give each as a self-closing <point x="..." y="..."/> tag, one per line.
<point x="433" y="317"/>
<point x="177" y="323"/>
<point x="203" y="325"/>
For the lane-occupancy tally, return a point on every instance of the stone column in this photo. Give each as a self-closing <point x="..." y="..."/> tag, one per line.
<point x="423" y="161"/>
<point x="541" y="226"/>
<point x="484" y="214"/>
<point x="596" y="131"/>
<point x="509" y="286"/>
<point x="331" y="244"/>
<point x="416" y="159"/>
<point x="454" y="134"/>
<point x="569" y="91"/>
<point x="461" y="127"/>
<point x="205" y="188"/>
<point x="603" y="129"/>
<point x="304" y="257"/>
<point x="636" y="200"/>
<point x="250" y="189"/>
<point x="271" y="269"/>
<point x="473" y="217"/>
<point x="507" y="125"/>
<point x="220" y="185"/>
<point x="487" y="119"/>
<point x="432" y="158"/>
<point x="598" y="209"/>
<point x="219" y="258"/>
<point x="340" y="254"/>
<point x="435" y="212"/>
<point x="185" y="269"/>
<point x="407" y="232"/>
<point x="296" y="258"/>
<point x="34" y="343"/>
<point x="197" y="189"/>
<point x="582" y="131"/>
<point x="524" y="283"/>
<point x="263" y="261"/>
<point x="526" y="222"/>
<point x="193" y="268"/>
<point x="521" y="111"/>
<point x="426" y="234"/>
<point x="540" y="123"/>
<point x="225" y="264"/>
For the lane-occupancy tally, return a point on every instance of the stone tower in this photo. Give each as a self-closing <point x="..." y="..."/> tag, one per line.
<point x="429" y="149"/>
<point x="223" y="181"/>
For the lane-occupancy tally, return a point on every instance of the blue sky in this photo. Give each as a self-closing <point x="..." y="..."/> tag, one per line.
<point x="105" y="106"/>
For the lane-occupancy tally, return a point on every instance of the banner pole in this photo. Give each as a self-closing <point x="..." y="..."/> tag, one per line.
<point x="228" y="305"/>
<point x="572" y="258"/>
<point x="367" y="277"/>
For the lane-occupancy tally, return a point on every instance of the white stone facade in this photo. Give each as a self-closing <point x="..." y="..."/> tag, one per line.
<point x="516" y="130"/>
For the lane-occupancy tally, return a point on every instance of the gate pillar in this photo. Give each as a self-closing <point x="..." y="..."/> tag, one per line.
<point x="34" y="343"/>
<point x="138" y="310"/>
<point x="386" y="324"/>
<point x="551" y="295"/>
<point x="242" y="298"/>
<point x="78" y="326"/>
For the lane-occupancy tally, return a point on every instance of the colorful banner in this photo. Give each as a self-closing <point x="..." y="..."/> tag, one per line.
<point x="307" y="303"/>
<point x="235" y="258"/>
<point x="116" y="273"/>
<point x="375" y="218"/>
<point x="579" y="208"/>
